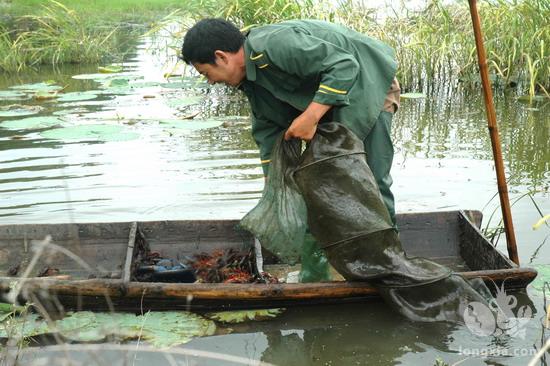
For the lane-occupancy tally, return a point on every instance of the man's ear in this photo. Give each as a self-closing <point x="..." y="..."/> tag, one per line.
<point x="221" y="56"/>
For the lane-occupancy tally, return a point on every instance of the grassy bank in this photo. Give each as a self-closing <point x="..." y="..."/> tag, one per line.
<point x="104" y="10"/>
<point x="36" y="32"/>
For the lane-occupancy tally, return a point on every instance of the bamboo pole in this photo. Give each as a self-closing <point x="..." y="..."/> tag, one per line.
<point x="493" y="132"/>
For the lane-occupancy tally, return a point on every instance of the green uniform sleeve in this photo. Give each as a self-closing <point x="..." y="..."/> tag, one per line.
<point x="298" y="53"/>
<point x="265" y="134"/>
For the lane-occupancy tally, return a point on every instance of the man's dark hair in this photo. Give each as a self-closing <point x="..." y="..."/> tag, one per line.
<point x="207" y="36"/>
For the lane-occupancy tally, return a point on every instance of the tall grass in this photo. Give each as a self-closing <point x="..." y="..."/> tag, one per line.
<point x="436" y="43"/>
<point x="54" y="36"/>
<point x="101" y="10"/>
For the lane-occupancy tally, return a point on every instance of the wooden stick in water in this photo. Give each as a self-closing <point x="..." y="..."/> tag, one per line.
<point x="495" y="140"/>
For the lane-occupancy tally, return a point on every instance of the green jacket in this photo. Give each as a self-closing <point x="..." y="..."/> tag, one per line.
<point x="291" y="64"/>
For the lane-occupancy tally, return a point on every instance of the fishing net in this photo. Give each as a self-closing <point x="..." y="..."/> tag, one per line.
<point x="332" y="184"/>
<point x="279" y="220"/>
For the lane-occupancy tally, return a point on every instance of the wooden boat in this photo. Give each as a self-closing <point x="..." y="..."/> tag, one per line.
<point x="107" y="251"/>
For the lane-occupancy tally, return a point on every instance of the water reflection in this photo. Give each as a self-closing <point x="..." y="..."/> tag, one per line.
<point x="454" y="126"/>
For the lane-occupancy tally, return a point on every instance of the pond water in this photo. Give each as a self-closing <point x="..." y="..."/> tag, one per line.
<point x="137" y="146"/>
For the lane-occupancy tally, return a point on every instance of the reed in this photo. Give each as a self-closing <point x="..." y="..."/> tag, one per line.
<point x="435" y="44"/>
<point x="55" y="36"/>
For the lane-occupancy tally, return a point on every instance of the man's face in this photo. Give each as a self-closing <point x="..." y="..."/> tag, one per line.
<point x="227" y="69"/>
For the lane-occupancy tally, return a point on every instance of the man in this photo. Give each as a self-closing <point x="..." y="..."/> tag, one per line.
<point x="299" y="73"/>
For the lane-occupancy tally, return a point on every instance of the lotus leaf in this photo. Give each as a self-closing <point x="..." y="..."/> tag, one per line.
<point x="191" y="83"/>
<point x="117" y="83"/>
<point x="27" y="325"/>
<point x="109" y="69"/>
<point x="31" y="123"/>
<point x="15" y="110"/>
<point x="76" y="96"/>
<point x="13" y="95"/>
<point x="91" y="132"/>
<point x="74" y="111"/>
<point x="412" y="95"/>
<point x="161" y="329"/>
<point x="87" y="326"/>
<point x="188" y="125"/>
<point x="240" y="316"/>
<point x="166" y="329"/>
<point x="144" y="84"/>
<point x="95" y="77"/>
<point x="184" y="102"/>
<point x="42" y="87"/>
<point x="542" y="278"/>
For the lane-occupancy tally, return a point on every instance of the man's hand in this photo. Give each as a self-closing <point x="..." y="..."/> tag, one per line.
<point x="305" y="125"/>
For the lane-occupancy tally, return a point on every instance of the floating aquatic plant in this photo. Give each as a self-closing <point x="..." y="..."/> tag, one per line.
<point x="45" y="86"/>
<point x="190" y="125"/>
<point x="109" y="69"/>
<point x="9" y="95"/>
<point x="30" y="123"/>
<point x="76" y="96"/>
<point x="161" y="329"/>
<point x="96" y="132"/>
<point x="240" y="316"/>
<point x="19" y="110"/>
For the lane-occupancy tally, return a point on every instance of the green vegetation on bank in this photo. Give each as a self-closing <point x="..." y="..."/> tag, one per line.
<point x="55" y="36"/>
<point x="36" y="32"/>
<point x="104" y="10"/>
<point x="434" y="44"/>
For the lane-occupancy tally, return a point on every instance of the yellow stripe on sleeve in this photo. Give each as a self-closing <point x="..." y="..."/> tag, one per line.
<point x="265" y="161"/>
<point x="263" y="66"/>
<point x="332" y="89"/>
<point x="253" y="58"/>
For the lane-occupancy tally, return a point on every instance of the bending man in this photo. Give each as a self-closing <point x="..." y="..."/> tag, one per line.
<point x="297" y="74"/>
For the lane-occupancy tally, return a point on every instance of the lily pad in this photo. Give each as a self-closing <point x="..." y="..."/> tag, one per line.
<point x="240" y="316"/>
<point x="167" y="329"/>
<point x="144" y="84"/>
<point x="109" y="69"/>
<point x="413" y="95"/>
<point x="185" y="101"/>
<point x="95" y="77"/>
<point x="161" y="329"/>
<point x="74" y="111"/>
<point x="27" y="325"/>
<point x="542" y="277"/>
<point x="91" y="132"/>
<point x="117" y="83"/>
<point x="76" y="96"/>
<point x="31" y="123"/>
<point x="16" y="110"/>
<point x="185" y="83"/>
<point x="44" y="87"/>
<point x="190" y="125"/>
<point x="13" y="95"/>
